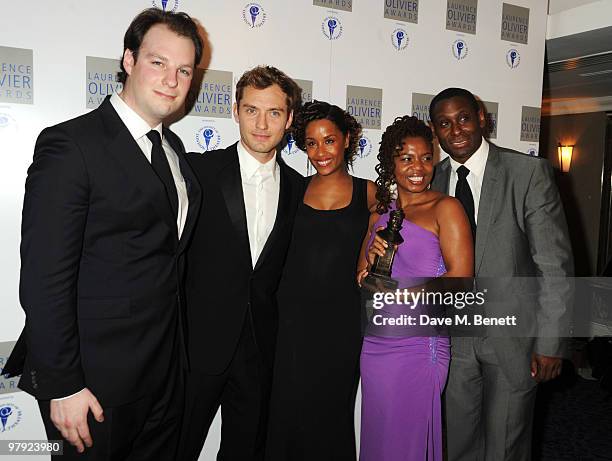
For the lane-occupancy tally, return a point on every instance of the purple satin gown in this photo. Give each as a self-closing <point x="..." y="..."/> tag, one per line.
<point x="402" y="378"/>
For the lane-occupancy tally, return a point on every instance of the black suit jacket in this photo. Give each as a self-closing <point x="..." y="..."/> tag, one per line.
<point x="101" y="263"/>
<point x="223" y="290"/>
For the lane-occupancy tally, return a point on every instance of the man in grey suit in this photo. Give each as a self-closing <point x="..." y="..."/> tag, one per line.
<point x="519" y="230"/>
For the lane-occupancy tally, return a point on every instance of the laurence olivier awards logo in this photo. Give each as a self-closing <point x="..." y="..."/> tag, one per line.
<point x="532" y="151"/>
<point x="491" y="109"/>
<point x="214" y="98"/>
<point x="7" y="385"/>
<point x="344" y="5"/>
<point x="460" y="49"/>
<point x="166" y="5"/>
<point x="513" y="58"/>
<point x="331" y="27"/>
<point x="420" y="106"/>
<point x="10" y="416"/>
<point x="101" y="80"/>
<point x="6" y="121"/>
<point x="515" y="23"/>
<point x="530" y="124"/>
<point x="16" y="75"/>
<point x="402" y="10"/>
<point x="399" y="39"/>
<point x="461" y="15"/>
<point x="364" y="147"/>
<point x="208" y="138"/>
<point x="365" y="104"/>
<point x="306" y="87"/>
<point x="290" y="148"/>
<point x="254" y="15"/>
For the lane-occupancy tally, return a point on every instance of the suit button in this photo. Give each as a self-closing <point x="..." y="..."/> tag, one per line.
<point x="33" y="372"/>
<point x="35" y="386"/>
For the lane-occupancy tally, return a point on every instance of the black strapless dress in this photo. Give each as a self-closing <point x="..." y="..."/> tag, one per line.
<point x="317" y="360"/>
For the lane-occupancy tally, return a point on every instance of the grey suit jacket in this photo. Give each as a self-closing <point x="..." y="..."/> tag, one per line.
<point x="522" y="232"/>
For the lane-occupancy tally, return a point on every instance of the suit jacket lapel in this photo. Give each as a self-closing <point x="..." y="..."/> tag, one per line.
<point x="488" y="197"/>
<point x="124" y="149"/>
<point x="230" y="183"/>
<point x="442" y="177"/>
<point x="194" y="192"/>
<point x="284" y="197"/>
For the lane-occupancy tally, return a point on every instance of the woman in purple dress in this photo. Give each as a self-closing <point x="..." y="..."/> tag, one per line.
<point x="402" y="378"/>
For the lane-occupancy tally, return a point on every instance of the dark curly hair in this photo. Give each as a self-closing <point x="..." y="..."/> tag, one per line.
<point x="390" y="144"/>
<point x="319" y="110"/>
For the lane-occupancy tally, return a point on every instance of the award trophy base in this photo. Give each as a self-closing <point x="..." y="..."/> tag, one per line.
<point x="375" y="282"/>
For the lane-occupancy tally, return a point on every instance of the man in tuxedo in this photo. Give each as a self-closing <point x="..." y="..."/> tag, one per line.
<point x="110" y="203"/>
<point x="234" y="264"/>
<point x="519" y="229"/>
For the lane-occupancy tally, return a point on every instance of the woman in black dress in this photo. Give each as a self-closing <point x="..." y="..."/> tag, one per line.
<point x="317" y="364"/>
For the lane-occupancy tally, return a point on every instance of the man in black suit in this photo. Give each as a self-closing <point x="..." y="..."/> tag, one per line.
<point x="519" y="230"/>
<point x="110" y="203"/>
<point x="233" y="268"/>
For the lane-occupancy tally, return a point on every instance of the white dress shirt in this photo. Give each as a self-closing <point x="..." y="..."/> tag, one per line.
<point x="260" y="188"/>
<point x="138" y="128"/>
<point x="476" y="164"/>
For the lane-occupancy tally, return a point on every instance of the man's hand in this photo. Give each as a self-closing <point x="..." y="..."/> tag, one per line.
<point x="69" y="416"/>
<point x="544" y="368"/>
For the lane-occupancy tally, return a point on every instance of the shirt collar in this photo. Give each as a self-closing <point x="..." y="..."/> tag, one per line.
<point x="133" y="122"/>
<point x="250" y="165"/>
<point x="477" y="162"/>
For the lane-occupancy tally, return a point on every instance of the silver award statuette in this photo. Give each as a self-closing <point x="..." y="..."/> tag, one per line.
<point x="379" y="276"/>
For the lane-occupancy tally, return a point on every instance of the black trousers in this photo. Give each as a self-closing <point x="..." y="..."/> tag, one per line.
<point x="242" y="392"/>
<point x="145" y="429"/>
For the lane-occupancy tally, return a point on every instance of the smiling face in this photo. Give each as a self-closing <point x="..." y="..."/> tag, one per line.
<point x="413" y="165"/>
<point x="325" y="145"/>
<point x="458" y="127"/>
<point x="263" y="118"/>
<point x="159" y="79"/>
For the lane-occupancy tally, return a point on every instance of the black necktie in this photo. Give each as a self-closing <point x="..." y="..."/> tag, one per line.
<point x="464" y="194"/>
<point x="159" y="161"/>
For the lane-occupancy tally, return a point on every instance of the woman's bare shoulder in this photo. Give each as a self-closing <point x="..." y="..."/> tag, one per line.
<point x="447" y="206"/>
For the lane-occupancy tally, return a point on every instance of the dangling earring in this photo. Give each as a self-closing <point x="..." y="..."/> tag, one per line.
<point x="393" y="188"/>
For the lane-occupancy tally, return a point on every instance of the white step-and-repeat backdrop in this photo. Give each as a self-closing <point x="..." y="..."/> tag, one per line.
<point x="377" y="58"/>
